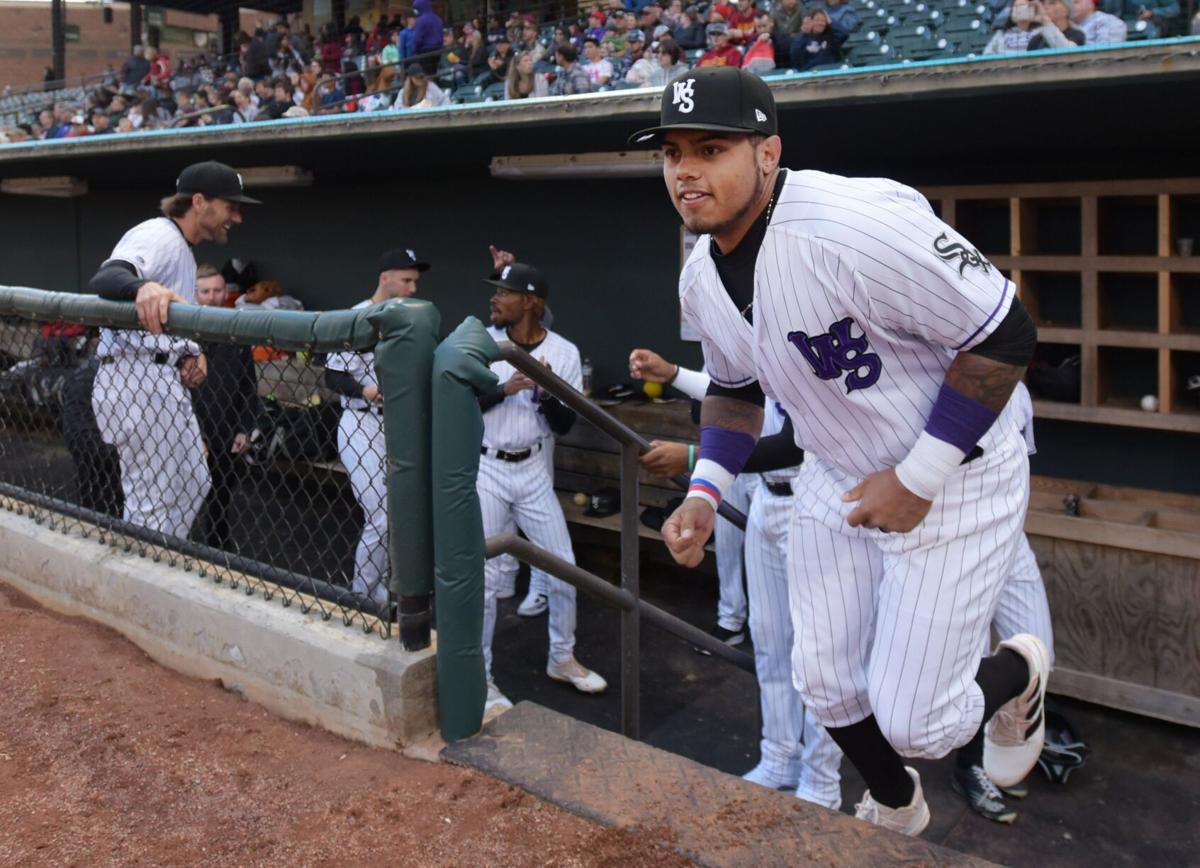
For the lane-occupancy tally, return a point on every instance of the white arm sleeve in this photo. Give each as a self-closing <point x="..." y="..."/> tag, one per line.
<point x="694" y="384"/>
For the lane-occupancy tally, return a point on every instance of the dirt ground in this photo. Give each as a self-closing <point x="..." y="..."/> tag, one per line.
<point x="107" y="758"/>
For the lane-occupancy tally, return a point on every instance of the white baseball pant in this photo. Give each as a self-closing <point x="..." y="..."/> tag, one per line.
<point x="731" y="607"/>
<point x="1023" y="607"/>
<point x="508" y="565"/>
<point x="363" y="453"/>
<point x="795" y="748"/>
<point x="144" y="410"/>
<point x="521" y="491"/>
<point x="891" y="624"/>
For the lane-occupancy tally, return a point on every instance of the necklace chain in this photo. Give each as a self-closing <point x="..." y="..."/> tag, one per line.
<point x="770" y="211"/>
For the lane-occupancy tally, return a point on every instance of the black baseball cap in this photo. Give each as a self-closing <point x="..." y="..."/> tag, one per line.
<point x="520" y="277"/>
<point x="214" y="180"/>
<point x="719" y="98"/>
<point x="401" y="257"/>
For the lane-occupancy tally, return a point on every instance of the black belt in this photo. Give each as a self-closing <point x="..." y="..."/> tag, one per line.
<point x="509" y="456"/>
<point x="157" y="358"/>
<point x="977" y="452"/>
<point x="779" y="489"/>
<point x="377" y="410"/>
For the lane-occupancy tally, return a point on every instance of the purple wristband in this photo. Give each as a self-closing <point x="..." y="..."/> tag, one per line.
<point x="728" y="448"/>
<point x="959" y="420"/>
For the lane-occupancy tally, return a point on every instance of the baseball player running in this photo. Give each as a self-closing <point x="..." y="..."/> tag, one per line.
<point x="140" y="396"/>
<point x="893" y="346"/>
<point x="514" y="485"/>
<point x="731" y="600"/>
<point x="360" y="430"/>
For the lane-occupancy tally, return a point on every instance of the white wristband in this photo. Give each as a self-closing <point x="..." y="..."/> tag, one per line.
<point x="928" y="465"/>
<point x="694" y="384"/>
<point x="709" y="482"/>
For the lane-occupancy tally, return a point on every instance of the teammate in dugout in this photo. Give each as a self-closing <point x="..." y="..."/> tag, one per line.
<point x="514" y="484"/>
<point x="894" y="347"/>
<point x="140" y="395"/>
<point x="360" y="441"/>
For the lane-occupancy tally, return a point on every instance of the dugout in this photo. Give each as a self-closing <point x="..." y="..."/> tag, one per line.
<point x="1045" y="137"/>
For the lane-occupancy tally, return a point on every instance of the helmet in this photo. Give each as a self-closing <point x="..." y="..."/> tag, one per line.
<point x="1064" y="751"/>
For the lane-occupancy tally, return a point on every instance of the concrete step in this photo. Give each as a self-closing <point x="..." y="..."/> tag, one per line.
<point x="706" y="815"/>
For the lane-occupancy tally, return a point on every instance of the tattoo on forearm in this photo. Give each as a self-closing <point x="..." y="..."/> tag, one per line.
<point x="989" y="382"/>
<point x="732" y="414"/>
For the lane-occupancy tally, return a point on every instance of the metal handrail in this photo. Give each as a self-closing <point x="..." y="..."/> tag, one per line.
<point x="618" y="598"/>
<point x="594" y="413"/>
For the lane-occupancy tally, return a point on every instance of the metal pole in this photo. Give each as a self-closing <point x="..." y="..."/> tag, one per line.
<point x="58" y="38"/>
<point x="630" y="627"/>
<point x="135" y="25"/>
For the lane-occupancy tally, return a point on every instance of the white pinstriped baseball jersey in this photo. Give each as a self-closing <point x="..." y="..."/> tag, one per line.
<point x="361" y="366"/>
<point x="158" y="251"/>
<point x="515" y="423"/>
<point x="862" y="298"/>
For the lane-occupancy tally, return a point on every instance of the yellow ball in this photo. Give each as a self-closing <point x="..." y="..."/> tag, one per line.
<point x="581" y="499"/>
<point x="652" y="390"/>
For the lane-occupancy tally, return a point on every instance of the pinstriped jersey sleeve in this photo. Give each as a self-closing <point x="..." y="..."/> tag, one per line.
<point x="724" y="335"/>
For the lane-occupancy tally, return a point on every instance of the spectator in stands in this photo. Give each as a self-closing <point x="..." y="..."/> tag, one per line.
<point x="522" y="81"/>
<point x="160" y="66"/>
<point x="135" y="68"/>
<point x="598" y="67"/>
<point x="572" y="79"/>
<point x="495" y="27"/>
<point x="788" y="15"/>
<point x="391" y="52"/>
<point x="497" y="63"/>
<point x="1099" y="28"/>
<point x="329" y="91"/>
<point x="226" y="405"/>
<point x="595" y="26"/>
<point x="427" y="36"/>
<point x="1024" y="21"/>
<point x="255" y="58"/>
<point x="637" y="50"/>
<point x="100" y="123"/>
<point x="843" y="20"/>
<point x="1056" y="20"/>
<point x="475" y="63"/>
<point x="529" y="42"/>
<point x="1158" y="15"/>
<point x="244" y="111"/>
<point x="721" y="53"/>
<point x="741" y="22"/>
<point x="760" y="53"/>
<point x="615" y="43"/>
<point x="45" y="123"/>
<point x="673" y="15"/>
<point x="379" y="37"/>
<point x="816" y="44"/>
<point x="670" y="63"/>
<point x="419" y="91"/>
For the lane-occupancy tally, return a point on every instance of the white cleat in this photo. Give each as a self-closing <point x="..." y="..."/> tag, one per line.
<point x="533" y="605"/>
<point x="910" y="820"/>
<point x="497" y="703"/>
<point x="1013" y="738"/>
<point x="577" y="675"/>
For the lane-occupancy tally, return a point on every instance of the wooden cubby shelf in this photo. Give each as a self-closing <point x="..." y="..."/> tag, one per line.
<point x="1106" y="271"/>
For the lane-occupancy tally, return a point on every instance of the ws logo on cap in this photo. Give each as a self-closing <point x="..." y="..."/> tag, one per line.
<point x="683" y="95"/>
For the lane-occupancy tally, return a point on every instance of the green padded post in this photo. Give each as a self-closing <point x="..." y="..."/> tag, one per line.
<point x="407" y="330"/>
<point x="460" y="376"/>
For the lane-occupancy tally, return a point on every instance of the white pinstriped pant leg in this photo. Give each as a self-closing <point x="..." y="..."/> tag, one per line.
<point x="362" y="452"/>
<point x="145" y="412"/>
<point x="731" y="607"/>
<point x="540" y="517"/>
<point x="820" y="765"/>
<point x="507" y="563"/>
<point x="1023" y="607"/>
<point x="538" y="580"/>
<point x="771" y="627"/>
<point x="935" y="603"/>
<point x="833" y="581"/>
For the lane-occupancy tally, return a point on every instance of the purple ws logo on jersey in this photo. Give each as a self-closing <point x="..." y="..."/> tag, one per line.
<point x="839" y="352"/>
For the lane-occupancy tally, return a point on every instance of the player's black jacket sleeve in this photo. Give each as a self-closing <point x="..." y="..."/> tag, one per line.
<point x="1014" y="339"/>
<point x="776" y="452"/>
<point x="116" y="281"/>
<point x="343" y="383"/>
<point x="751" y="393"/>
<point x="560" y="417"/>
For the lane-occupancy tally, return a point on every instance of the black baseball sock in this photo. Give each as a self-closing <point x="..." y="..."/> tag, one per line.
<point x="971" y="753"/>
<point x="1001" y="677"/>
<point x="877" y="761"/>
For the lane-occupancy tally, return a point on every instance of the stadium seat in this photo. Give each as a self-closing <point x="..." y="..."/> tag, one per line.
<point x="871" y="55"/>
<point x="468" y="93"/>
<point x="494" y="92"/>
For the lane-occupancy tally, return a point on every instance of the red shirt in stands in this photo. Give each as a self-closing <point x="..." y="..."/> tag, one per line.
<point x="741" y="25"/>
<point x="727" y="56"/>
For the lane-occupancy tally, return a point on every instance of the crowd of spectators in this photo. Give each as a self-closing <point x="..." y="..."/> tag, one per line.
<point x="414" y="61"/>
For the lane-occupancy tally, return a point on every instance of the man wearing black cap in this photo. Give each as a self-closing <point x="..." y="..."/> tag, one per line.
<point x="360" y="430"/>
<point x="514" y="485"/>
<point x="140" y="395"/>
<point x="893" y="346"/>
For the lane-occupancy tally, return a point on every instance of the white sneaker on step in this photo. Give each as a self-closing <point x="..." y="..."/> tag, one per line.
<point x="910" y="820"/>
<point x="577" y="675"/>
<point x="1014" y="737"/>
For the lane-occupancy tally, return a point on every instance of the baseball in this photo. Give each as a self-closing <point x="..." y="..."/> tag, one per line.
<point x="652" y="390"/>
<point x="1150" y="403"/>
<point x="580" y="499"/>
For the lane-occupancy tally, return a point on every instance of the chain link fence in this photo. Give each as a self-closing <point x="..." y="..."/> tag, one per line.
<point x="246" y="468"/>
